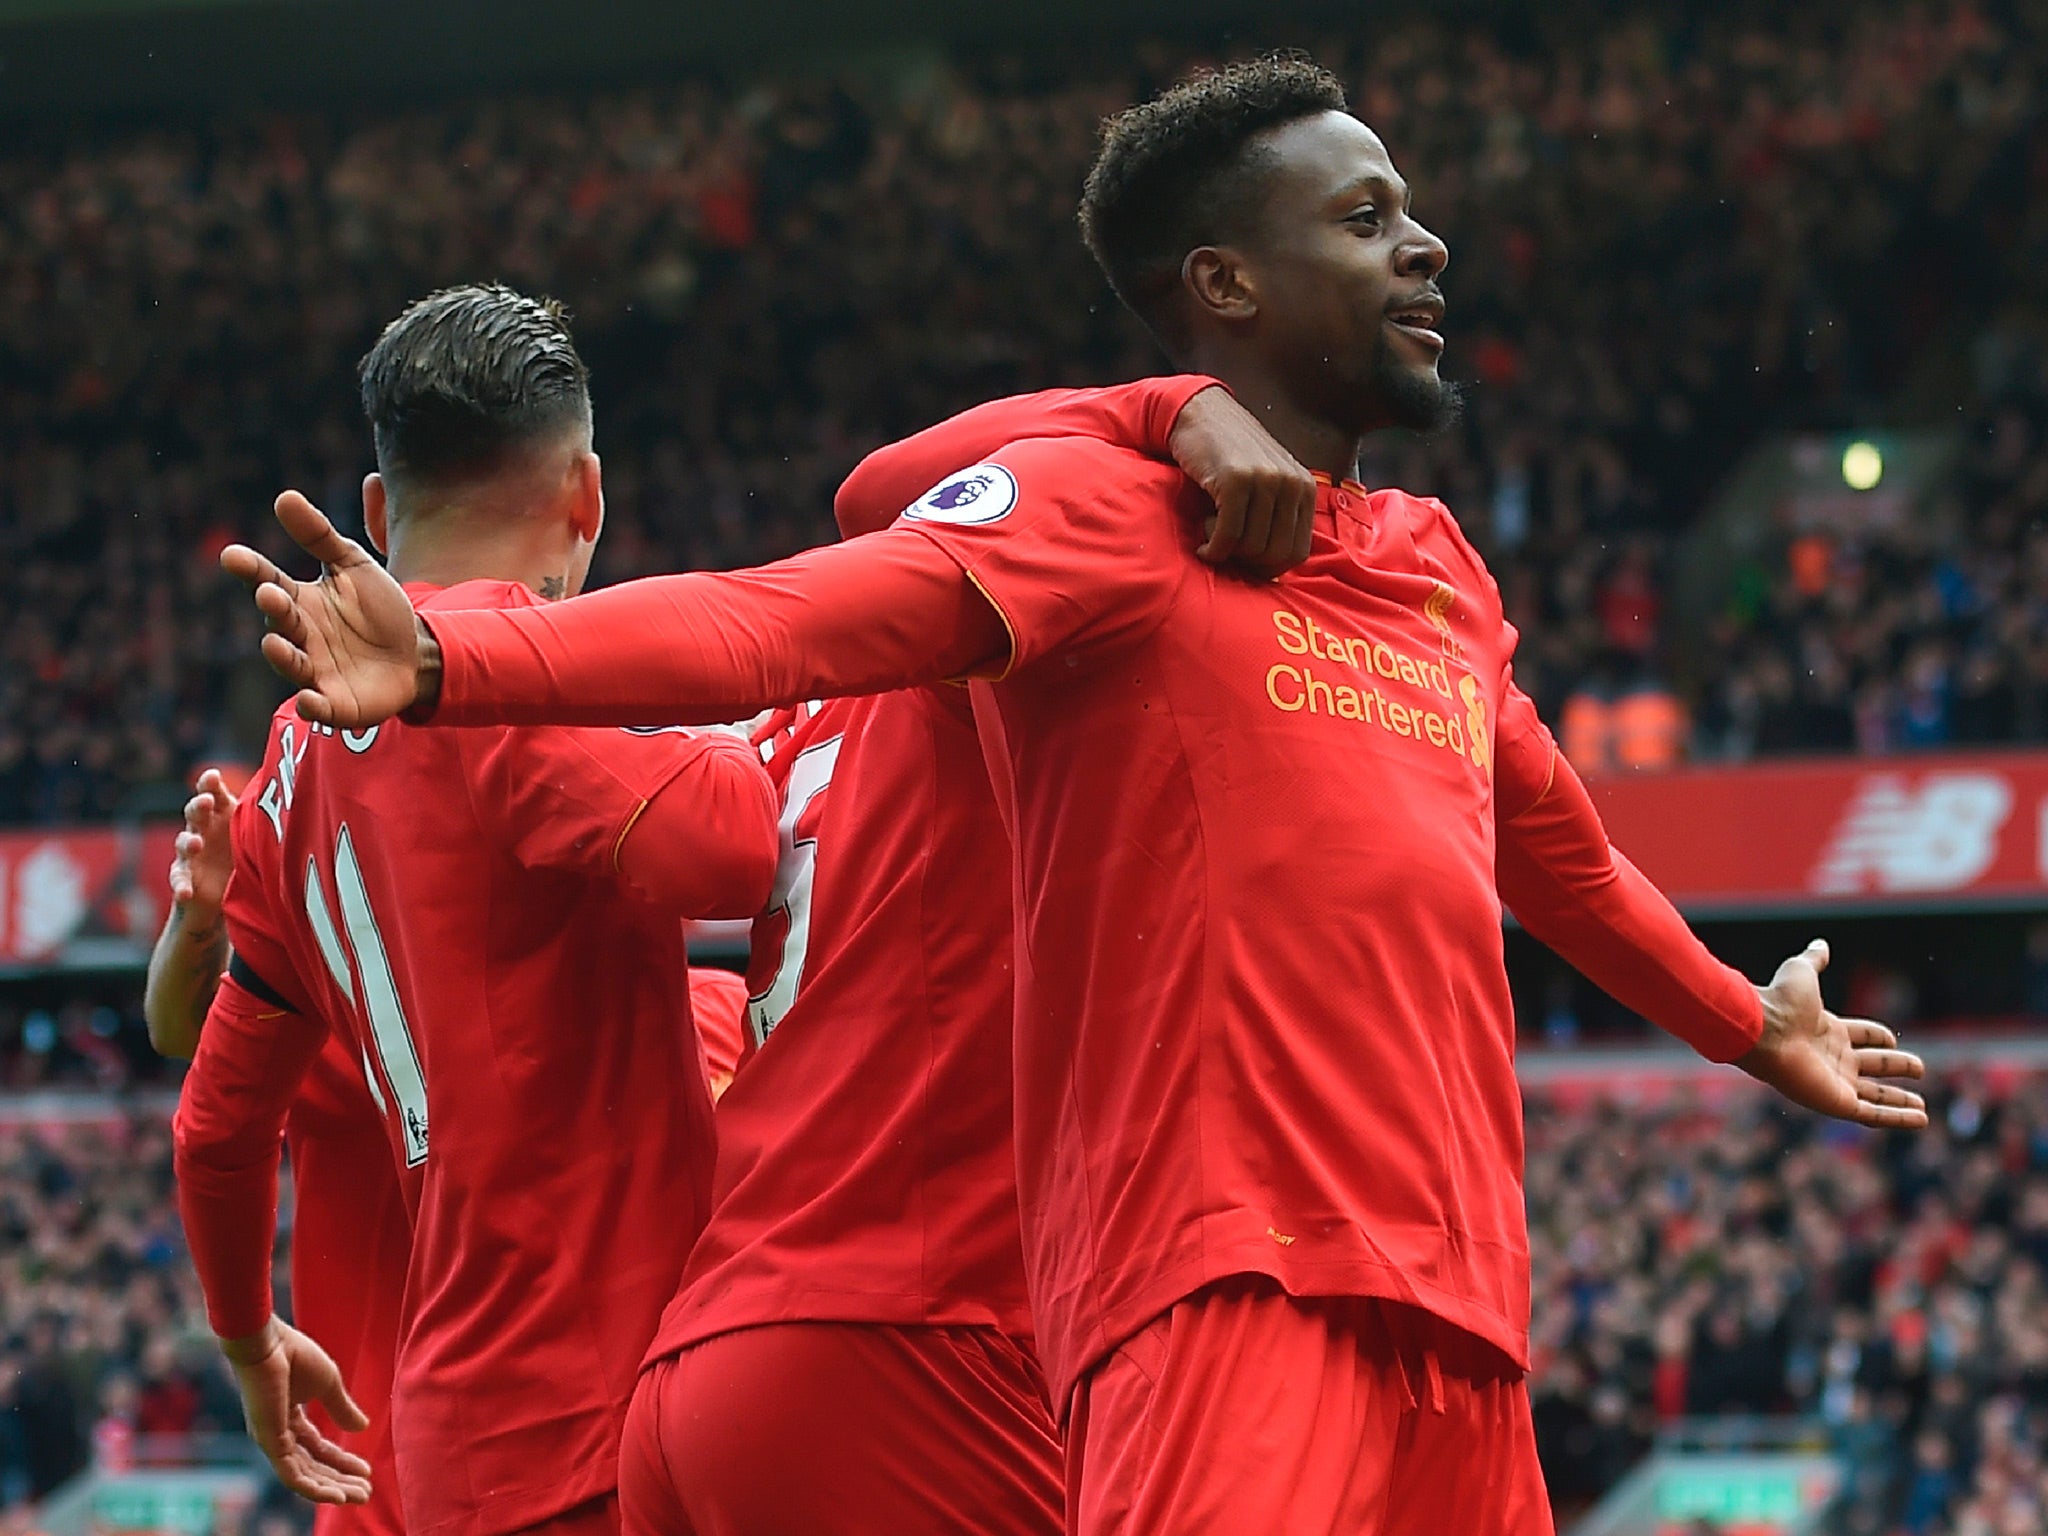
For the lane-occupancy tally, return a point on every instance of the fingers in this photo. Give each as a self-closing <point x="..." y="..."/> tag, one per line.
<point x="1889" y="1108"/>
<point x="1253" y="545"/>
<point x="1811" y="960"/>
<point x="298" y="1471"/>
<point x="1265" y="520"/>
<point x="314" y="705"/>
<point x="252" y="567"/>
<point x="324" y="1450"/>
<point x="280" y="605"/>
<point x="1889" y="1064"/>
<point x="214" y="789"/>
<point x="287" y="660"/>
<point x="1303" y="505"/>
<point x="1868" y="1032"/>
<point x="1228" y="530"/>
<point x="333" y="1396"/>
<point x="311" y="531"/>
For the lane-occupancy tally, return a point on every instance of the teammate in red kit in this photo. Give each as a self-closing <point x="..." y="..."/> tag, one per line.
<point x="1268" y="1130"/>
<point x="851" y="1347"/>
<point x="351" y="1237"/>
<point x="492" y="922"/>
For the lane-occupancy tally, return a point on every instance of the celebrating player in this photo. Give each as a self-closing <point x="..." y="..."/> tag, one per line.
<point x="1268" y="1129"/>
<point x="852" y="1340"/>
<point x="351" y="1237"/>
<point x="492" y="921"/>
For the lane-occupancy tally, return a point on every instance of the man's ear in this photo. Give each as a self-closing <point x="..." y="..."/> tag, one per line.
<point x="1219" y="283"/>
<point x="376" y="513"/>
<point x="587" y="514"/>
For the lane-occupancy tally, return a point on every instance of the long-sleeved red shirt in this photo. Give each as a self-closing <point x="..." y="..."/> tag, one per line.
<point x="1260" y="990"/>
<point x="1584" y="899"/>
<point x="462" y="908"/>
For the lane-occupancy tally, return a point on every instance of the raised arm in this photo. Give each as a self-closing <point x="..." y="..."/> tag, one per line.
<point x="1138" y="416"/>
<point x="1574" y="891"/>
<point x="192" y="951"/>
<point x="1264" y="499"/>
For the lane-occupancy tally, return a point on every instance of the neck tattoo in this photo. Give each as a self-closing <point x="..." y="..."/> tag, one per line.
<point x="554" y="588"/>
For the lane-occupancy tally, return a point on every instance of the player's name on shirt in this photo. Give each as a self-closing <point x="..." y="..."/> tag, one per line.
<point x="1347" y="683"/>
<point x="292" y="743"/>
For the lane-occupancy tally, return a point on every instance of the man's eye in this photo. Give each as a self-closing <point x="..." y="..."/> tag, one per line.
<point x="1366" y="218"/>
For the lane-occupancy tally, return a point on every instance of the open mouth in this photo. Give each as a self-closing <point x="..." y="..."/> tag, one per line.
<point x="1421" y="322"/>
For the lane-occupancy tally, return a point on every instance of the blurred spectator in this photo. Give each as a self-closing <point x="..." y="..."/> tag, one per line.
<point x="1748" y="1260"/>
<point x="1686" y="1259"/>
<point x="104" y="1350"/>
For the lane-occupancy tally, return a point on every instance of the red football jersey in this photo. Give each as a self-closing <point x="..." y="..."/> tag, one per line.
<point x="1262" y="1019"/>
<point x="865" y="1168"/>
<point x="449" y="900"/>
<point x="1262" y="1023"/>
<point x="350" y="1247"/>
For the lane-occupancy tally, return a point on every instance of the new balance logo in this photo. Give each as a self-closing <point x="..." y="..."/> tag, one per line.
<point x="1939" y="837"/>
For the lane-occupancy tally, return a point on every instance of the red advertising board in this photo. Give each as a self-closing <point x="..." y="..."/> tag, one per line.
<point x="1871" y="832"/>
<point x="96" y="896"/>
<point x="76" y="893"/>
<point x="1892" y="832"/>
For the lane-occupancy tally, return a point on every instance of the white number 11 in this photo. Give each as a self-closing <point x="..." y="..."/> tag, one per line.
<point x="377" y="993"/>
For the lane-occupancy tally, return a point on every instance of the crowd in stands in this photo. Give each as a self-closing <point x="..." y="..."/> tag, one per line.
<point x="1668" y="238"/>
<point x="1691" y="1258"/>
<point x="104" y="1350"/>
<point x="1749" y="1260"/>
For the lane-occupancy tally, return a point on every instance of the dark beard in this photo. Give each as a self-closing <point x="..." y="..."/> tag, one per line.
<point x="1411" y="397"/>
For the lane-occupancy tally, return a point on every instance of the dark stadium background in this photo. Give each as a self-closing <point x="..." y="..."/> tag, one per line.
<point x="1704" y="255"/>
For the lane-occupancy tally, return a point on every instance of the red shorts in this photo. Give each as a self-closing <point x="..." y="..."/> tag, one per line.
<point x="842" y="1427"/>
<point x="1243" y="1409"/>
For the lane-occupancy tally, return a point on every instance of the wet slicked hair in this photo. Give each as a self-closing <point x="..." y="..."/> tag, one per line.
<point x="1178" y="172"/>
<point x="467" y="377"/>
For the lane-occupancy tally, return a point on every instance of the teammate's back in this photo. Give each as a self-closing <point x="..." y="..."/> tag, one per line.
<point x="524" y="1019"/>
<point x="491" y="919"/>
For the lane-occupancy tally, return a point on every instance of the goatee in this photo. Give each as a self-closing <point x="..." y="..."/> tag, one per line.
<point x="1417" y="399"/>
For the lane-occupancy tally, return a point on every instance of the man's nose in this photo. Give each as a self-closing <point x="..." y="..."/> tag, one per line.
<point x="1422" y="254"/>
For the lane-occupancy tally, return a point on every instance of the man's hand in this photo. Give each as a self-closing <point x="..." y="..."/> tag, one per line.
<point x="349" y="641"/>
<point x="204" y="858"/>
<point x="1831" y="1064"/>
<point x="1265" y="501"/>
<point x="279" y="1371"/>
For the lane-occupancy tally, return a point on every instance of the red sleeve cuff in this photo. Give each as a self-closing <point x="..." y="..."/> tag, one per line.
<point x="1170" y="396"/>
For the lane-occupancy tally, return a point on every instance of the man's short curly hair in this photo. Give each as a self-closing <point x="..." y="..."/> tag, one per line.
<point x="468" y="376"/>
<point x="1175" y="173"/>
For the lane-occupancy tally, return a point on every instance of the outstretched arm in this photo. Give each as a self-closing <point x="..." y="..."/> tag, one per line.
<point x="1570" y="888"/>
<point x="192" y="951"/>
<point x="872" y="615"/>
<point x="878" y="613"/>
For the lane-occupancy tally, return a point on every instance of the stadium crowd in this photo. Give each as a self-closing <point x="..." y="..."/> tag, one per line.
<point x="1690" y="231"/>
<point x="1696" y="1260"/>
<point x="105" y="1352"/>
<point x="1690" y="1258"/>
